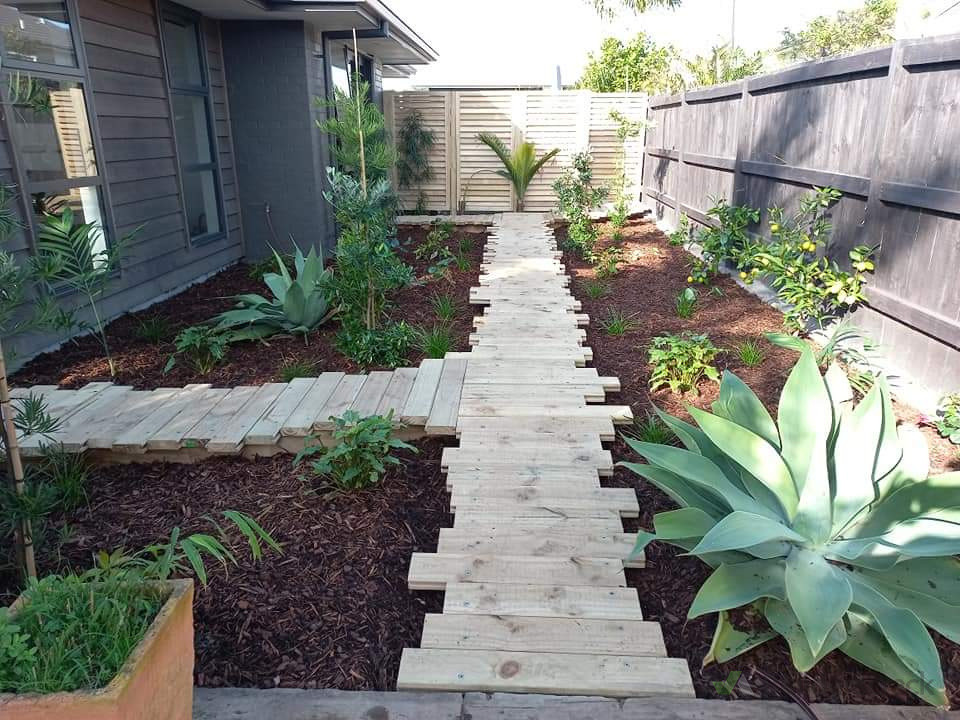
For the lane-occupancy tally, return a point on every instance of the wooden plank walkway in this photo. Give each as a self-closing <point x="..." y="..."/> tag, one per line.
<point x="195" y="421"/>
<point x="533" y="568"/>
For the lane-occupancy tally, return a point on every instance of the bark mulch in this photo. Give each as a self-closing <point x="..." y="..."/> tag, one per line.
<point x="141" y="363"/>
<point x="646" y="287"/>
<point x="333" y="611"/>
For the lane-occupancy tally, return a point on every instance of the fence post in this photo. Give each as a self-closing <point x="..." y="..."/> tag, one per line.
<point x="681" y="135"/>
<point x="452" y="138"/>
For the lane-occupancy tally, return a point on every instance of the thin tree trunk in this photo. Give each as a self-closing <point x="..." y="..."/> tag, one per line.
<point x="24" y="532"/>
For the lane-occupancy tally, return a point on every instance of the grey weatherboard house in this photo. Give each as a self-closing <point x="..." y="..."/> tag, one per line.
<point x="194" y="119"/>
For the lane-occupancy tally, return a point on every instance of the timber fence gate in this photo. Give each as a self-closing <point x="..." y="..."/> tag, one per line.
<point x="463" y="178"/>
<point x="883" y="127"/>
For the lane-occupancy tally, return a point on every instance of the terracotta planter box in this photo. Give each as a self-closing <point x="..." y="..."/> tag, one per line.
<point x="156" y="682"/>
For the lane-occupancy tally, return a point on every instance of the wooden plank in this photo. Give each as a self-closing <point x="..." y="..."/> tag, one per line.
<point x="72" y="436"/>
<point x="612" y="603"/>
<point x="869" y="61"/>
<point x="136" y="437"/>
<point x="213" y="422"/>
<point x="393" y="400"/>
<point x="442" y="419"/>
<point x="567" y="521"/>
<point x="931" y="52"/>
<point x="618" y="414"/>
<point x="372" y="392"/>
<point x="537" y="424"/>
<point x="430" y="571"/>
<point x="301" y="421"/>
<point x="543" y="455"/>
<point x="339" y="401"/>
<point x="104" y="433"/>
<point x="64" y="405"/>
<point x="549" y="673"/>
<point x="417" y="408"/>
<point x="229" y="437"/>
<point x="921" y="196"/>
<point x="171" y="435"/>
<point x="851" y="184"/>
<point x="552" y="635"/>
<point x="267" y="429"/>
<point x="622" y="500"/>
<point x="511" y="541"/>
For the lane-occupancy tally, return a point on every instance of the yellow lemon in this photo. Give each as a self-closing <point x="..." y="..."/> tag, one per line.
<point x="689" y="278"/>
<point x="743" y="275"/>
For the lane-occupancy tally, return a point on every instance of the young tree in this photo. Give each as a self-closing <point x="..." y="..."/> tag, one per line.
<point x="413" y="161"/>
<point x="845" y="32"/>
<point x="637" y="66"/>
<point x="722" y="65"/>
<point x="608" y="8"/>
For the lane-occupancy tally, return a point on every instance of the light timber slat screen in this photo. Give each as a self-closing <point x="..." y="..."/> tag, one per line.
<point x="463" y="169"/>
<point x="882" y="127"/>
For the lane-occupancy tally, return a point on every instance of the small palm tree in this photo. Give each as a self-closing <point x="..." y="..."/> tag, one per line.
<point x="521" y="166"/>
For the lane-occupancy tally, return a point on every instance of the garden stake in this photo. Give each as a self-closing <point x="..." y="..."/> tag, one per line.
<point x="24" y="533"/>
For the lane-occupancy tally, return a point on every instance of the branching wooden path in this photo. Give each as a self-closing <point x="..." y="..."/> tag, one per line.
<point x="189" y="423"/>
<point x="533" y="569"/>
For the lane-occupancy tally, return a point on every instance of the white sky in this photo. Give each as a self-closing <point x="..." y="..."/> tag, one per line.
<point x="522" y="41"/>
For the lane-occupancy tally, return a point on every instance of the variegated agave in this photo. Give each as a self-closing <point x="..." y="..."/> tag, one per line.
<point x="825" y="522"/>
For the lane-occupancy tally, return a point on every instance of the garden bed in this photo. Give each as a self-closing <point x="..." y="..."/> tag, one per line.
<point x="646" y="287"/>
<point x="141" y="361"/>
<point x="333" y="611"/>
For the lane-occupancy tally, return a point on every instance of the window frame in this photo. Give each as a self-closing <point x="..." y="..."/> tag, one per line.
<point x="27" y="188"/>
<point x="178" y="13"/>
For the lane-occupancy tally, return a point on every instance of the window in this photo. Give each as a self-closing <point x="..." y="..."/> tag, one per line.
<point x="46" y="113"/>
<point x="193" y="123"/>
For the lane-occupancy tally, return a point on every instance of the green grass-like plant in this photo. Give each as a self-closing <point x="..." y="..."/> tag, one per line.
<point x="444" y="307"/>
<point x="360" y="451"/>
<point x="650" y="428"/>
<point x="750" y="353"/>
<point x="154" y="329"/>
<point x="596" y="289"/>
<point x="681" y="361"/>
<point x="437" y="341"/>
<point x="297" y="369"/>
<point x="824" y="523"/>
<point x="617" y="323"/>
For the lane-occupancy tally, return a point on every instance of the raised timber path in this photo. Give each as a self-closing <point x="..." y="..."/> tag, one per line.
<point x="533" y="568"/>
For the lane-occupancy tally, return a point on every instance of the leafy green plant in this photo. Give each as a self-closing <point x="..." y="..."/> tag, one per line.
<point x="297" y="369"/>
<point x="682" y="234"/>
<point x="413" y="161"/>
<point x="67" y="473"/>
<point x="618" y="323"/>
<point x="462" y="262"/>
<point x="154" y="329"/>
<point x="360" y="451"/>
<point x="948" y="418"/>
<point x="356" y="121"/>
<point x="437" y="341"/>
<point x="297" y="305"/>
<point x="76" y="256"/>
<point x="681" y="361"/>
<point x="75" y="632"/>
<point x="620" y="187"/>
<point x="650" y="428"/>
<point x="576" y="197"/>
<point x="33" y="416"/>
<point x="686" y="302"/>
<point x="724" y="64"/>
<point x="606" y="263"/>
<point x="520" y="166"/>
<point x="465" y="245"/>
<point x="386" y="346"/>
<point x="439" y="268"/>
<point x="435" y="242"/>
<point x="596" y="289"/>
<point x="727" y="241"/>
<point x="869" y="25"/>
<point x="750" y="353"/>
<point x="444" y="307"/>
<point x="638" y="65"/>
<point x="824" y="523"/>
<point x="203" y="346"/>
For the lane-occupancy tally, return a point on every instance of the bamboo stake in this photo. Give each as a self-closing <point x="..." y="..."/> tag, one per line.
<point x="25" y="532"/>
<point x="356" y="72"/>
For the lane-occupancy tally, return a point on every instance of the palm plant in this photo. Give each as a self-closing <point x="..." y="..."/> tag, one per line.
<point x="824" y="523"/>
<point x="520" y="166"/>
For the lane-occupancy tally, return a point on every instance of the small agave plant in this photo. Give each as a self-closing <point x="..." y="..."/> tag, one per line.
<point x="824" y="523"/>
<point x="299" y="305"/>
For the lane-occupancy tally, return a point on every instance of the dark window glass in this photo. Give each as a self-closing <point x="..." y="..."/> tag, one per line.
<point x="37" y="31"/>
<point x="182" y="45"/>
<point x="193" y="132"/>
<point x="52" y="127"/>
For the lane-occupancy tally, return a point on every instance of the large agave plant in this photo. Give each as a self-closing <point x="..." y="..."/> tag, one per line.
<point x="825" y="522"/>
<point x="520" y="166"/>
<point x="298" y="305"/>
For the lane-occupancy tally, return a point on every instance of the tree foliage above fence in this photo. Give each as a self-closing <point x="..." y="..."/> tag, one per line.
<point x="850" y="30"/>
<point x="640" y="65"/>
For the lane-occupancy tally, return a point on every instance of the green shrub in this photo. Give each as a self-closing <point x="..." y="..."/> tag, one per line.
<point x="824" y="523"/>
<point x="729" y="241"/>
<point x="948" y="418"/>
<point x="435" y="242"/>
<point x="686" y="302"/>
<point x="360" y="451"/>
<point x="75" y="632"/>
<point x="387" y="346"/>
<point x="437" y="341"/>
<point x="682" y="234"/>
<point x="606" y="262"/>
<point x="203" y="346"/>
<point x="298" y="305"/>
<point x="576" y="197"/>
<point x="681" y="361"/>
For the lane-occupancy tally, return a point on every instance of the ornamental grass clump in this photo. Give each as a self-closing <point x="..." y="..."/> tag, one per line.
<point x="823" y="523"/>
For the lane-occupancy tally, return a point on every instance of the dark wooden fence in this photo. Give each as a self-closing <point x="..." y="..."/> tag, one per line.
<point x="883" y="127"/>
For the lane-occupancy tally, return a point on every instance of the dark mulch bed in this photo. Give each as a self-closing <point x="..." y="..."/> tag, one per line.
<point x="141" y="363"/>
<point x="646" y="287"/>
<point x="332" y="612"/>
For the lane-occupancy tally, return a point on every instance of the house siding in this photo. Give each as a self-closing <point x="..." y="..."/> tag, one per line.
<point x="130" y="108"/>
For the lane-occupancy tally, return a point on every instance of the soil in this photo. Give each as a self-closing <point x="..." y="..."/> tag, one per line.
<point x="646" y="288"/>
<point x="141" y="363"/>
<point x="333" y="611"/>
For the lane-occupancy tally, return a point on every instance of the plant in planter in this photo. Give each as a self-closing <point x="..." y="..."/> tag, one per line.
<point x="115" y="641"/>
<point x="823" y="524"/>
<point x="520" y="166"/>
